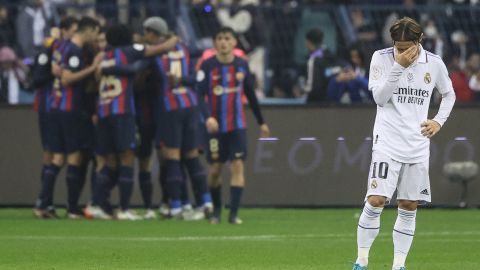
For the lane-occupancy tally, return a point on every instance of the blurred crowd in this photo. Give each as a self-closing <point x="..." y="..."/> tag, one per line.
<point x="313" y="51"/>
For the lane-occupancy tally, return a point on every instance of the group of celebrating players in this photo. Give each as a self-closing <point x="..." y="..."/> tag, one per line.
<point x="106" y="100"/>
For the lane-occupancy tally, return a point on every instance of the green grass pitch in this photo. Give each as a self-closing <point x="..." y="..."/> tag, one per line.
<point x="269" y="239"/>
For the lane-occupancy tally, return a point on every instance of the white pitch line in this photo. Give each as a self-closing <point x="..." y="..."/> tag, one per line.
<point x="265" y="237"/>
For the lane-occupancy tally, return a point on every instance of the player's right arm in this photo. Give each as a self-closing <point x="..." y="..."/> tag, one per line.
<point x="72" y="75"/>
<point x="382" y="82"/>
<point x="157" y="49"/>
<point x="202" y="90"/>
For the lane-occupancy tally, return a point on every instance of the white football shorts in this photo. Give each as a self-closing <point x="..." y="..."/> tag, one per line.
<point x="411" y="181"/>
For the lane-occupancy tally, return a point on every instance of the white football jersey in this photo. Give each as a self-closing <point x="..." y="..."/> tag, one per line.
<point x="403" y="98"/>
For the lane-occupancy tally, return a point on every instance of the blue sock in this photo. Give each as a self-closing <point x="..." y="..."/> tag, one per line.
<point x="174" y="182"/>
<point x="216" y="193"/>
<point x="74" y="185"/>
<point x="145" y="180"/>
<point x="48" y="184"/>
<point x="125" y="184"/>
<point x="198" y="177"/>
<point x="39" y="201"/>
<point x="163" y="183"/>
<point x="235" y="198"/>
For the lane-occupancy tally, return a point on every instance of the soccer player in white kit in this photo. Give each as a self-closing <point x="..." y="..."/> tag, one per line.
<point x="402" y="79"/>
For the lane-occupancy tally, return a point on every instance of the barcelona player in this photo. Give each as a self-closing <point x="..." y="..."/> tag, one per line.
<point x="223" y="79"/>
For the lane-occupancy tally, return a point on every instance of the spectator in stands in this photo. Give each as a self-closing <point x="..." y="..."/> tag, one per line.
<point x="459" y="79"/>
<point x="243" y="17"/>
<point x="350" y="85"/>
<point x="432" y="41"/>
<point x="7" y="29"/>
<point x="12" y="76"/>
<point x="317" y="66"/>
<point x="365" y="31"/>
<point x="32" y="26"/>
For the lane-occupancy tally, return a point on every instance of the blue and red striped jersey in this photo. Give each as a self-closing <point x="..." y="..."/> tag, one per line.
<point x="175" y="95"/>
<point x="224" y="84"/>
<point x="116" y="95"/>
<point x="68" y="98"/>
<point x="43" y="78"/>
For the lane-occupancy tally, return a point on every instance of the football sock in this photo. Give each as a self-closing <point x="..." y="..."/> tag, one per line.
<point x="198" y="177"/>
<point x="102" y="186"/>
<point x="145" y="182"/>
<point x="235" y="198"/>
<point x="367" y="231"/>
<point x="125" y="185"/>
<point x="48" y="184"/>
<point x="39" y="200"/>
<point x="403" y="233"/>
<point x="184" y="191"/>
<point x="163" y="183"/>
<point x="174" y="184"/>
<point x="74" y="185"/>
<point x="216" y="193"/>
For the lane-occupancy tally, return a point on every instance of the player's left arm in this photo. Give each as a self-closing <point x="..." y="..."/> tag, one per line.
<point x="72" y="75"/>
<point x="253" y="103"/>
<point x="444" y="86"/>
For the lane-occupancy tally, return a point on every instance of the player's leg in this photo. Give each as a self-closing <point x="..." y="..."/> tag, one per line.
<point x="192" y="162"/>
<point x="105" y="166"/>
<point x="413" y="187"/>
<point x="74" y="184"/>
<point x="216" y="157"/>
<point x="382" y="182"/>
<point x="144" y="153"/>
<point x="74" y="131"/>
<point x="125" y="143"/>
<point x="164" y="208"/>
<point x="46" y="157"/>
<point x="237" y="141"/>
<point x="57" y="146"/>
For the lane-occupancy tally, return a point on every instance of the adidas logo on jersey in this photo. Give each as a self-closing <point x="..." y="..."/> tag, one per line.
<point x="424" y="192"/>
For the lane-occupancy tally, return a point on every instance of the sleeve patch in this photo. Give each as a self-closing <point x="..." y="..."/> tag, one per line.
<point x="200" y="76"/>
<point x="74" y="61"/>
<point x="139" y="47"/>
<point x="376" y="72"/>
<point x="43" y="59"/>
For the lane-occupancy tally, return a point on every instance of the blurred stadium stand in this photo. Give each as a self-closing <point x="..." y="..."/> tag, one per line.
<point x="273" y="34"/>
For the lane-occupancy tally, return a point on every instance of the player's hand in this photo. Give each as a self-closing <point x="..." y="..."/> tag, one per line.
<point x="98" y="59"/>
<point x="264" y="131"/>
<point x="430" y="128"/>
<point x="171" y="42"/>
<point x="407" y="57"/>
<point x="212" y="125"/>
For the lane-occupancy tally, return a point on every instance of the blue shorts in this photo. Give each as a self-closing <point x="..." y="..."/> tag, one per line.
<point x="223" y="147"/>
<point x="178" y="129"/>
<point x="116" y="134"/>
<point x="146" y="134"/>
<point x="67" y="133"/>
<point x="45" y="131"/>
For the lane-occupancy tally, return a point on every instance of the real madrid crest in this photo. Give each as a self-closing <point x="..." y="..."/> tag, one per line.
<point x="427" y="78"/>
<point x="374" y="184"/>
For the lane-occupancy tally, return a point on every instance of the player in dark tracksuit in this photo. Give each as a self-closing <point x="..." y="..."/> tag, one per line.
<point x="223" y="79"/>
<point x="116" y="129"/>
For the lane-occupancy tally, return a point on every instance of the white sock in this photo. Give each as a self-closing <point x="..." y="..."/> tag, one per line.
<point x="403" y="232"/>
<point x="367" y="231"/>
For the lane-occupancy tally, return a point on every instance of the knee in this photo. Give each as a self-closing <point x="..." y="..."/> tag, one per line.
<point x="376" y="201"/>
<point x="192" y="154"/>
<point x="407" y="205"/>
<point x="58" y="159"/>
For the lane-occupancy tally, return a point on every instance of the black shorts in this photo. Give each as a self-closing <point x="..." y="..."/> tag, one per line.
<point x="67" y="132"/>
<point x="88" y="133"/>
<point x="45" y="130"/>
<point x="223" y="147"/>
<point x="178" y="129"/>
<point x="116" y="134"/>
